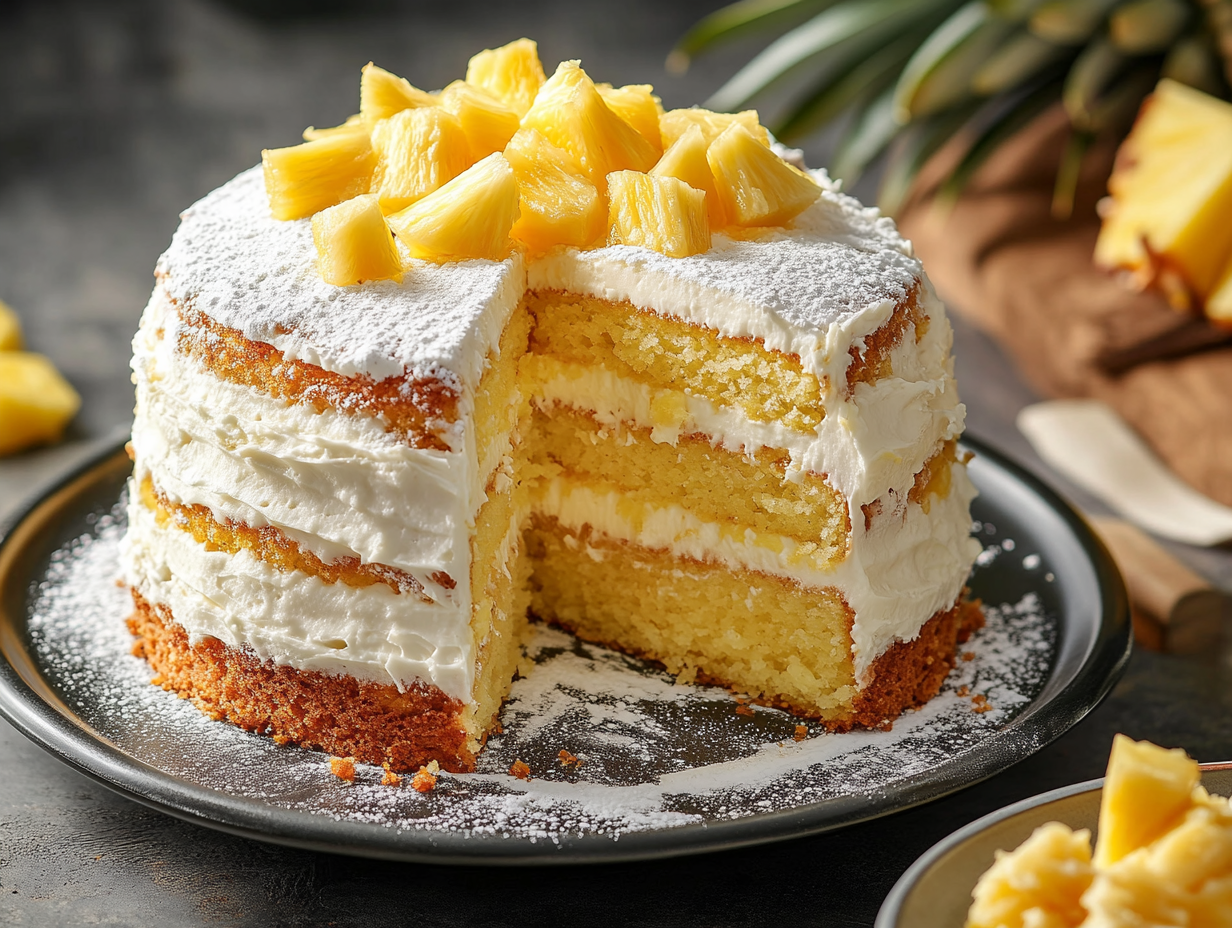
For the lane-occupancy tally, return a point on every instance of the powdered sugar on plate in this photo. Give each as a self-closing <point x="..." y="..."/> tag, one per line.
<point x="654" y="755"/>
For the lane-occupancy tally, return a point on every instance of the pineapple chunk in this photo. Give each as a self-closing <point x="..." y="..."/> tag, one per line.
<point x="660" y="213"/>
<point x="382" y="94"/>
<point x="674" y="123"/>
<point x="469" y="217"/>
<point x="35" y="401"/>
<point x="1219" y="303"/>
<point x="354" y="123"/>
<point x="637" y="105"/>
<point x="489" y="124"/>
<point x="511" y="73"/>
<point x="419" y="150"/>
<point x="686" y="161"/>
<point x="1041" y="883"/>
<point x="1146" y="791"/>
<point x="1171" y="194"/>
<point x="305" y="179"/>
<point x="756" y="186"/>
<point x="560" y="206"/>
<point x="10" y="329"/>
<point x="354" y="243"/>
<point x="572" y="115"/>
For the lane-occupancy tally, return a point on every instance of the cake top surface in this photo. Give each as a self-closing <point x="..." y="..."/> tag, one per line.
<point x="231" y="260"/>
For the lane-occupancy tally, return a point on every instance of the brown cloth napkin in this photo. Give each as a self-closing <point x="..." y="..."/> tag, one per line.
<point x="1000" y="258"/>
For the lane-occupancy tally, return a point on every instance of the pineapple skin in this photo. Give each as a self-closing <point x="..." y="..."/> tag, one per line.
<point x="36" y="402"/>
<point x="469" y="217"/>
<point x="511" y="73"/>
<point x="686" y="161"/>
<point x="354" y="243"/>
<point x="663" y="214"/>
<point x="10" y="329"/>
<point x="305" y="179"/>
<point x="756" y="186"/>
<point x="560" y="206"/>
<point x="418" y="150"/>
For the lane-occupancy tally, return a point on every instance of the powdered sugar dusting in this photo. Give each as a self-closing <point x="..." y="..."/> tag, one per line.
<point x="654" y="755"/>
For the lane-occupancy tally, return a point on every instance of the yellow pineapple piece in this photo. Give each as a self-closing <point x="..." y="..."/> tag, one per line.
<point x="382" y="94"/>
<point x="637" y="105"/>
<point x="572" y="115"/>
<point x="305" y="179"/>
<point x="354" y="243"/>
<point x="756" y="186"/>
<point x="354" y="123"/>
<point x="1219" y="303"/>
<point x="35" y="401"/>
<point x="10" y="329"/>
<point x="660" y="213"/>
<point x="511" y="73"/>
<point x="469" y="217"/>
<point x="1166" y="218"/>
<point x="1146" y="791"/>
<point x="1039" y="884"/>
<point x="560" y="206"/>
<point x="686" y="161"/>
<point x="488" y="123"/>
<point x="674" y="123"/>
<point x="419" y="150"/>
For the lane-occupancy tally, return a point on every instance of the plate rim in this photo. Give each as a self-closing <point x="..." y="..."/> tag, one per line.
<point x="891" y="906"/>
<point x="71" y="741"/>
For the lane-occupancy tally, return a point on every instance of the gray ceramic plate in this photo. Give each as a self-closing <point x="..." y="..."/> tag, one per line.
<point x="936" y="890"/>
<point x="667" y="769"/>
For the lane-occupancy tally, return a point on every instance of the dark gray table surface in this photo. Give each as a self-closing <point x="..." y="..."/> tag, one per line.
<point x="113" y="117"/>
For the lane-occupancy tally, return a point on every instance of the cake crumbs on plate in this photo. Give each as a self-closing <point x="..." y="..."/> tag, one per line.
<point x="424" y="780"/>
<point x="963" y="691"/>
<point x="566" y="759"/>
<point x="343" y="768"/>
<point x="520" y="770"/>
<point x="744" y="710"/>
<point x="390" y="778"/>
<point x="968" y="656"/>
<point x="801" y="733"/>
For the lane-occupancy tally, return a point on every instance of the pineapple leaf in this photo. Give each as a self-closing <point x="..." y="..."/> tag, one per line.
<point x="849" y="29"/>
<point x="735" y="21"/>
<point x="1144" y="27"/>
<point x="1020" y="59"/>
<point x="1068" y="173"/>
<point x="1092" y="72"/>
<point x="1069" y="22"/>
<point x="866" y="138"/>
<point x="863" y="80"/>
<point x="917" y="144"/>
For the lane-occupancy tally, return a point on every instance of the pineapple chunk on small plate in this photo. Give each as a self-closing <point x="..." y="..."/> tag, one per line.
<point x="936" y="889"/>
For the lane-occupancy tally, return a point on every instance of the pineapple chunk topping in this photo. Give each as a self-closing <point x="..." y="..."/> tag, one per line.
<point x="686" y="161"/>
<point x="469" y="217"/>
<point x="560" y="206"/>
<point x="637" y="105"/>
<point x="382" y="94"/>
<point x="1166" y="218"/>
<point x="419" y="150"/>
<point x="756" y="186"/>
<point x="660" y="213"/>
<point x="488" y="123"/>
<point x="10" y="329"/>
<point x="35" y="401"/>
<point x="305" y="179"/>
<point x="675" y="123"/>
<point x="354" y="123"/>
<point x="511" y="73"/>
<point x="354" y="243"/>
<point x="572" y="115"/>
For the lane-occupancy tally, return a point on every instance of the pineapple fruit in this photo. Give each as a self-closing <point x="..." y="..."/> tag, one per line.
<point x="354" y="123"/>
<point x="637" y="105"/>
<point x="35" y="401"/>
<point x="488" y="123"/>
<point x="572" y="115"/>
<point x="305" y="179"/>
<point x="10" y="329"/>
<point x="756" y="187"/>
<point x="469" y="217"/>
<point x="418" y="150"/>
<point x="382" y="94"/>
<point x="560" y="206"/>
<point x="686" y="161"/>
<point x="675" y="123"/>
<point x="354" y="243"/>
<point x="511" y="73"/>
<point x="663" y="214"/>
<point x="1170" y="196"/>
<point x="1040" y="883"/>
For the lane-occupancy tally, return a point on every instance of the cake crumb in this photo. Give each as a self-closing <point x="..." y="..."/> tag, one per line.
<point x="424" y="780"/>
<point x="802" y="732"/>
<point x="280" y="740"/>
<point x="390" y="778"/>
<point x="686" y="676"/>
<point x="968" y="655"/>
<point x="886" y="725"/>
<point x="343" y="768"/>
<point x="520" y="770"/>
<point x="566" y="759"/>
<point x="963" y="691"/>
<point x="982" y="707"/>
<point x="979" y="698"/>
<point x="744" y="710"/>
